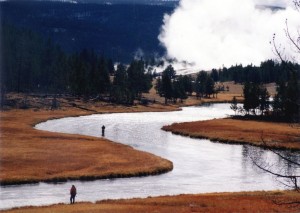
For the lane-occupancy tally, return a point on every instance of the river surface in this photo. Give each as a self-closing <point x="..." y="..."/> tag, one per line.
<point x="200" y="166"/>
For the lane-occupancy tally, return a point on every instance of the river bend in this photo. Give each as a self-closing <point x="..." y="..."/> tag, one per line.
<point x="200" y="166"/>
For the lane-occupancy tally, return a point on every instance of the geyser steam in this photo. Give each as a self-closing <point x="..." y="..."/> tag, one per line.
<point x="216" y="33"/>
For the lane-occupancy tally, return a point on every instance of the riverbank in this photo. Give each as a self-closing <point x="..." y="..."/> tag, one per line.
<point x="26" y="153"/>
<point x="216" y="202"/>
<point x="30" y="156"/>
<point x="228" y="130"/>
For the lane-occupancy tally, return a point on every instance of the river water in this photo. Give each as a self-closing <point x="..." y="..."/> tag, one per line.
<point x="200" y="166"/>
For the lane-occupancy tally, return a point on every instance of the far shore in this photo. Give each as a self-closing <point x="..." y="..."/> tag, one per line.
<point x="26" y="152"/>
<point x="234" y="131"/>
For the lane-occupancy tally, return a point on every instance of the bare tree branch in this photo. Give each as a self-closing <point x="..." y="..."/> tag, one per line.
<point x="292" y="40"/>
<point x="277" y="50"/>
<point x="291" y="180"/>
<point x="277" y="153"/>
<point x="285" y="184"/>
<point x="274" y="173"/>
<point x="288" y="178"/>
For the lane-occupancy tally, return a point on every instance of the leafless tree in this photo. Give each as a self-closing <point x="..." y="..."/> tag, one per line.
<point x="288" y="172"/>
<point x="294" y="40"/>
<point x="288" y="177"/>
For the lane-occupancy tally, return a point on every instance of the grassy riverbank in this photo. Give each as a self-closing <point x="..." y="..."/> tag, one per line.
<point x="258" y="133"/>
<point x="29" y="155"/>
<point x="26" y="153"/>
<point x="216" y="202"/>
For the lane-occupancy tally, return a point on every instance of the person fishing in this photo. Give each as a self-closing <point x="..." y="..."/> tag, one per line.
<point x="73" y="193"/>
<point x="103" y="131"/>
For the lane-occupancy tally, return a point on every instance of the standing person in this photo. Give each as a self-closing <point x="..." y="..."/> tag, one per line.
<point x="103" y="131"/>
<point x="73" y="193"/>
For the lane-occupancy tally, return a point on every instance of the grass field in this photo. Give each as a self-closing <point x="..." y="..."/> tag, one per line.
<point x="26" y="153"/>
<point x="264" y="202"/>
<point x="259" y="133"/>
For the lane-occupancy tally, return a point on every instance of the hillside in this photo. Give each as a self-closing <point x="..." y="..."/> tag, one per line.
<point x="117" y="31"/>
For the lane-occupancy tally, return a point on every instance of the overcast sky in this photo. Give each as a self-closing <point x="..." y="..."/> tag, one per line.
<point x="213" y="33"/>
<point x="281" y="3"/>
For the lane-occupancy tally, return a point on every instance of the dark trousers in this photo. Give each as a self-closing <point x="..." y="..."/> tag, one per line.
<point x="72" y="199"/>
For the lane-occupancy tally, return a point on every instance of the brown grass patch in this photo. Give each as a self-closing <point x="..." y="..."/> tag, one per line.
<point x="277" y="135"/>
<point x="29" y="155"/>
<point x="26" y="153"/>
<point x="226" y="96"/>
<point x="216" y="202"/>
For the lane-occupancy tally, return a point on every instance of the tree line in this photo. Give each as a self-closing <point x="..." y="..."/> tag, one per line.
<point x="173" y="87"/>
<point x="93" y="26"/>
<point x="33" y="64"/>
<point x="283" y="106"/>
<point x="269" y="71"/>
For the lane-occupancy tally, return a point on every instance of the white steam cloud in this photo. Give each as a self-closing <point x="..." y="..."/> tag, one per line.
<point x="216" y="33"/>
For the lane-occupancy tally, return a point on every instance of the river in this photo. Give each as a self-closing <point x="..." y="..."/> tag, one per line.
<point x="200" y="166"/>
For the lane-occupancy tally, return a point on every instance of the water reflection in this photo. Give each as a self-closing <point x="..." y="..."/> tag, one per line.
<point x="281" y="163"/>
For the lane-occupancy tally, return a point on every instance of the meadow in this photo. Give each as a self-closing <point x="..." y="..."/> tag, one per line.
<point x="276" y="201"/>
<point x="228" y="130"/>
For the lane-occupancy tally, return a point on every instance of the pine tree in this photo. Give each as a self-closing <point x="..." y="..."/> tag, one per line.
<point x="264" y="104"/>
<point x="138" y="80"/>
<point x="209" y="86"/>
<point x="103" y="75"/>
<point x="292" y="93"/>
<point x="247" y="97"/>
<point x="200" y="84"/>
<point x="234" y="105"/>
<point x="120" y="92"/>
<point x="167" y="88"/>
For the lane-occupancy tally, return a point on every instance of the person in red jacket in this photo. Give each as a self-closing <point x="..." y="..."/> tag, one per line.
<point x="73" y="194"/>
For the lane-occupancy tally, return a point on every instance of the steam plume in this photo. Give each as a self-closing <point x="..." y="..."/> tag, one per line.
<point x="216" y="33"/>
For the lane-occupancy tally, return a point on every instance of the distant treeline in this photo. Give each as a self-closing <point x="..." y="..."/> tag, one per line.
<point x="32" y="64"/>
<point x="118" y="31"/>
<point x="173" y="87"/>
<point x="268" y="71"/>
<point x="284" y="106"/>
<point x="256" y="97"/>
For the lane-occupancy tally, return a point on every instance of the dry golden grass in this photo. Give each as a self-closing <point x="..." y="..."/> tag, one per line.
<point x="238" y="88"/>
<point x="17" y="100"/>
<point x="226" y="96"/>
<point x="37" y="102"/>
<point x="216" y="202"/>
<point x="29" y="155"/>
<point x="277" y="135"/>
